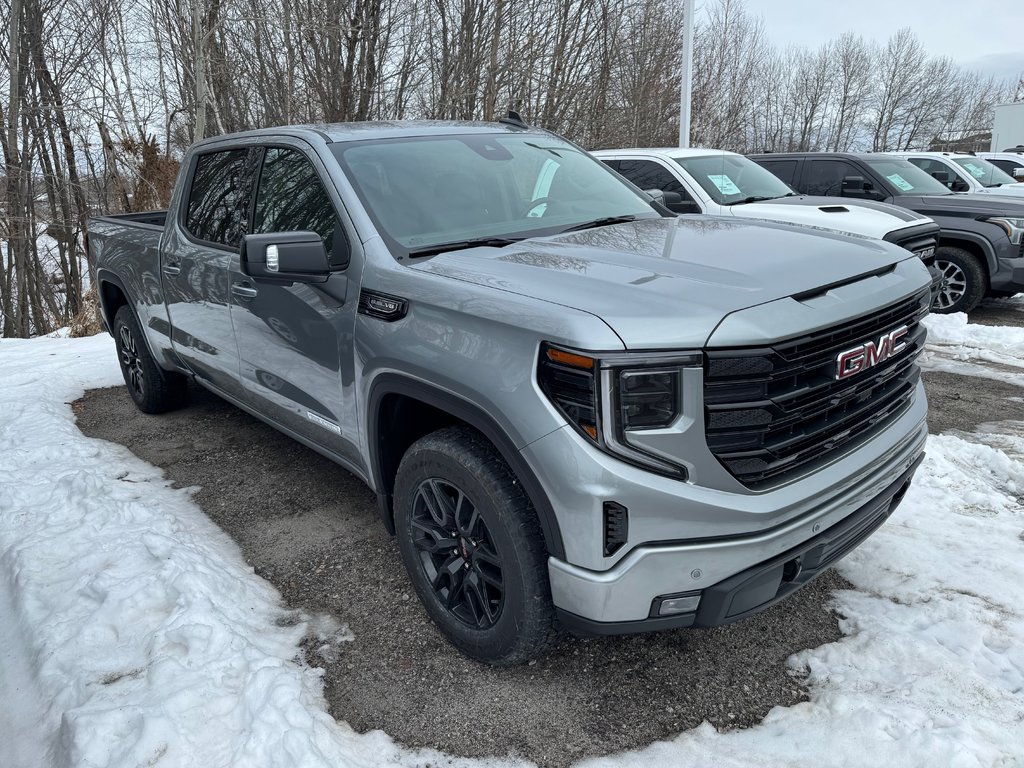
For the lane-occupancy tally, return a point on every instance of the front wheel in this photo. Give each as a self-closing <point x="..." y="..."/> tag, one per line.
<point x="962" y="281"/>
<point x="153" y="389"/>
<point x="473" y="547"/>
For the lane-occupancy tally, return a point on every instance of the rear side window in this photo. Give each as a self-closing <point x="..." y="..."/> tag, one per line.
<point x="292" y="198"/>
<point x="218" y="201"/>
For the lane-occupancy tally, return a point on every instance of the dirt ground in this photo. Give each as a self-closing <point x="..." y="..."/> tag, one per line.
<point x="311" y="529"/>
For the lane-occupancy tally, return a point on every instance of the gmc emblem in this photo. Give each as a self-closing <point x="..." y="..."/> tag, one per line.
<point x="869" y="354"/>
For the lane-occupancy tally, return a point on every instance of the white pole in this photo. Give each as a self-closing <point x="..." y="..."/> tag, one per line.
<point x="686" y="74"/>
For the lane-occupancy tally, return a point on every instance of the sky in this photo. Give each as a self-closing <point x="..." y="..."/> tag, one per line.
<point x="983" y="35"/>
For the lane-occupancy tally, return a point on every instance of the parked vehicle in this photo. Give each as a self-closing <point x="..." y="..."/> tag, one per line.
<point x="980" y="251"/>
<point x="1011" y="161"/>
<point x="571" y="403"/>
<point x="723" y="183"/>
<point x="1007" y="126"/>
<point x="965" y="172"/>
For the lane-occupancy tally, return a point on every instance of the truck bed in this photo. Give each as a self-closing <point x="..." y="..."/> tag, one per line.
<point x="147" y="218"/>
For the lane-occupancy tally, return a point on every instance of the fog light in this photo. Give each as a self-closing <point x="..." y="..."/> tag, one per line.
<point x="679" y="604"/>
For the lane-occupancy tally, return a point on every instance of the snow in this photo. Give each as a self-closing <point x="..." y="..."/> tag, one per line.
<point x="135" y="634"/>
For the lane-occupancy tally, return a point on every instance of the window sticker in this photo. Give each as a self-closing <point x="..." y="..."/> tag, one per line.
<point x="900" y="182"/>
<point x="976" y="170"/>
<point x="725" y="184"/>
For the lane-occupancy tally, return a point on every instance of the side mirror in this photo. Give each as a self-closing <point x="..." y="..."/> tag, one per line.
<point x="293" y="257"/>
<point x="858" y="186"/>
<point x="673" y="201"/>
<point x="959" y="185"/>
<point x="941" y="176"/>
<point x="1018" y="174"/>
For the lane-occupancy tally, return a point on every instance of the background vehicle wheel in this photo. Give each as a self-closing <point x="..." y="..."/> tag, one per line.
<point x="472" y="544"/>
<point x="153" y="389"/>
<point x="962" y="284"/>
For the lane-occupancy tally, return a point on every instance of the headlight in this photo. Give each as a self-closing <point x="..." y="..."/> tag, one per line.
<point x="612" y="398"/>
<point x="1014" y="227"/>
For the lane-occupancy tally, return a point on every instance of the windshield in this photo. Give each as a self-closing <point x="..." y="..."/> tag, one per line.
<point x="433" y="190"/>
<point x="986" y="173"/>
<point x="905" y="178"/>
<point x="731" y="179"/>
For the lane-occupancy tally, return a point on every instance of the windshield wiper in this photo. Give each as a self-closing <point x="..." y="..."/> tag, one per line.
<point x="757" y="199"/>
<point x="461" y="245"/>
<point x="602" y="222"/>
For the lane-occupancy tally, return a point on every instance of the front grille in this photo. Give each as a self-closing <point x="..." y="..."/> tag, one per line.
<point x="918" y="244"/>
<point x="772" y="410"/>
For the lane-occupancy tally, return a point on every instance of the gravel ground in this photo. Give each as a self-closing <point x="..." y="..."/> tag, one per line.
<point x="311" y="529"/>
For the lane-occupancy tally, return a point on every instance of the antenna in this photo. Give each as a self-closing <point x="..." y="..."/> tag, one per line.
<point x="514" y="119"/>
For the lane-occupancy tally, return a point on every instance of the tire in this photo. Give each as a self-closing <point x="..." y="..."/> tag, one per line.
<point x="486" y="588"/>
<point x="963" y="283"/>
<point x="153" y="389"/>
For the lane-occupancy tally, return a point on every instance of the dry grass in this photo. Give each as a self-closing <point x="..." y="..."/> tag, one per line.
<point x="87" y="321"/>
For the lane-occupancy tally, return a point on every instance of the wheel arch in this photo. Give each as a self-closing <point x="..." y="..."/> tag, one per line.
<point x="401" y="410"/>
<point x="974" y="244"/>
<point x="112" y="294"/>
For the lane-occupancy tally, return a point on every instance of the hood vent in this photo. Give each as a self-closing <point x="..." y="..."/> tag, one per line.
<point x="833" y="209"/>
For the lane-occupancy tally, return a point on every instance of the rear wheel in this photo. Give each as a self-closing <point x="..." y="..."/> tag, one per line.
<point x="153" y="389"/>
<point x="962" y="281"/>
<point x="473" y="547"/>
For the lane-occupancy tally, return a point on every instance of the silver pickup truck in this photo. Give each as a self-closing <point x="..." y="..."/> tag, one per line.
<point x="576" y="409"/>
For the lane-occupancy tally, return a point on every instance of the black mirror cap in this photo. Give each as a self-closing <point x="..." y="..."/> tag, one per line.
<point x="285" y="257"/>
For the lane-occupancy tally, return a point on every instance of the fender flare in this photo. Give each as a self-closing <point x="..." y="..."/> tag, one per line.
<point x="106" y="276"/>
<point x="992" y="263"/>
<point x="476" y="417"/>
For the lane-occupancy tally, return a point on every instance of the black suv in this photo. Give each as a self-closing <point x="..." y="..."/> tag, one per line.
<point x="981" y="245"/>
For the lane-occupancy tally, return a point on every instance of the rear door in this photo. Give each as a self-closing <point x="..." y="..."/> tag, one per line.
<point x="200" y="249"/>
<point x="295" y="340"/>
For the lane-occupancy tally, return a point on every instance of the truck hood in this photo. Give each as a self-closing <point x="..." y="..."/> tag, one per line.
<point x="667" y="283"/>
<point x="1007" y="190"/>
<point x="869" y="220"/>
<point x="964" y="205"/>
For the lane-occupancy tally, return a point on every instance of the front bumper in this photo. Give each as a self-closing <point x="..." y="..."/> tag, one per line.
<point x="763" y="585"/>
<point x="685" y="539"/>
<point x="1009" y="274"/>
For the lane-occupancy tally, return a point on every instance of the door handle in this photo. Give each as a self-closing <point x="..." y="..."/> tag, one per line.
<point x="243" y="290"/>
<point x="171" y="269"/>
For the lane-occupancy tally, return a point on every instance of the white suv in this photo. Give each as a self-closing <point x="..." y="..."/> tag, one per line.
<point x="721" y="183"/>
<point x="965" y="172"/>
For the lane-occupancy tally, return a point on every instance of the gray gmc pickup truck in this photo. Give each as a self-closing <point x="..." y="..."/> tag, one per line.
<point x="576" y="409"/>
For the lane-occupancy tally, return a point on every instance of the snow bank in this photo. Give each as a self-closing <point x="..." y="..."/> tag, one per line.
<point x="134" y="633"/>
<point x="952" y="337"/>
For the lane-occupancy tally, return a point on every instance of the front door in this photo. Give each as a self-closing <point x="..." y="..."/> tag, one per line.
<point x="295" y="341"/>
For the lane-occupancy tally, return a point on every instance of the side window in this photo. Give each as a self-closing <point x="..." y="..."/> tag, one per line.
<point x="291" y="198"/>
<point x="825" y="177"/>
<point x="218" y="200"/>
<point x="614" y="164"/>
<point x="930" y="166"/>
<point x="783" y="169"/>
<point x="1007" y="165"/>
<point x="648" y="174"/>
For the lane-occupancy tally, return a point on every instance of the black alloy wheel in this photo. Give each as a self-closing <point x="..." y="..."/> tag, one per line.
<point x="473" y="547"/>
<point x="457" y="553"/>
<point x="152" y="388"/>
<point x="134" y="376"/>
